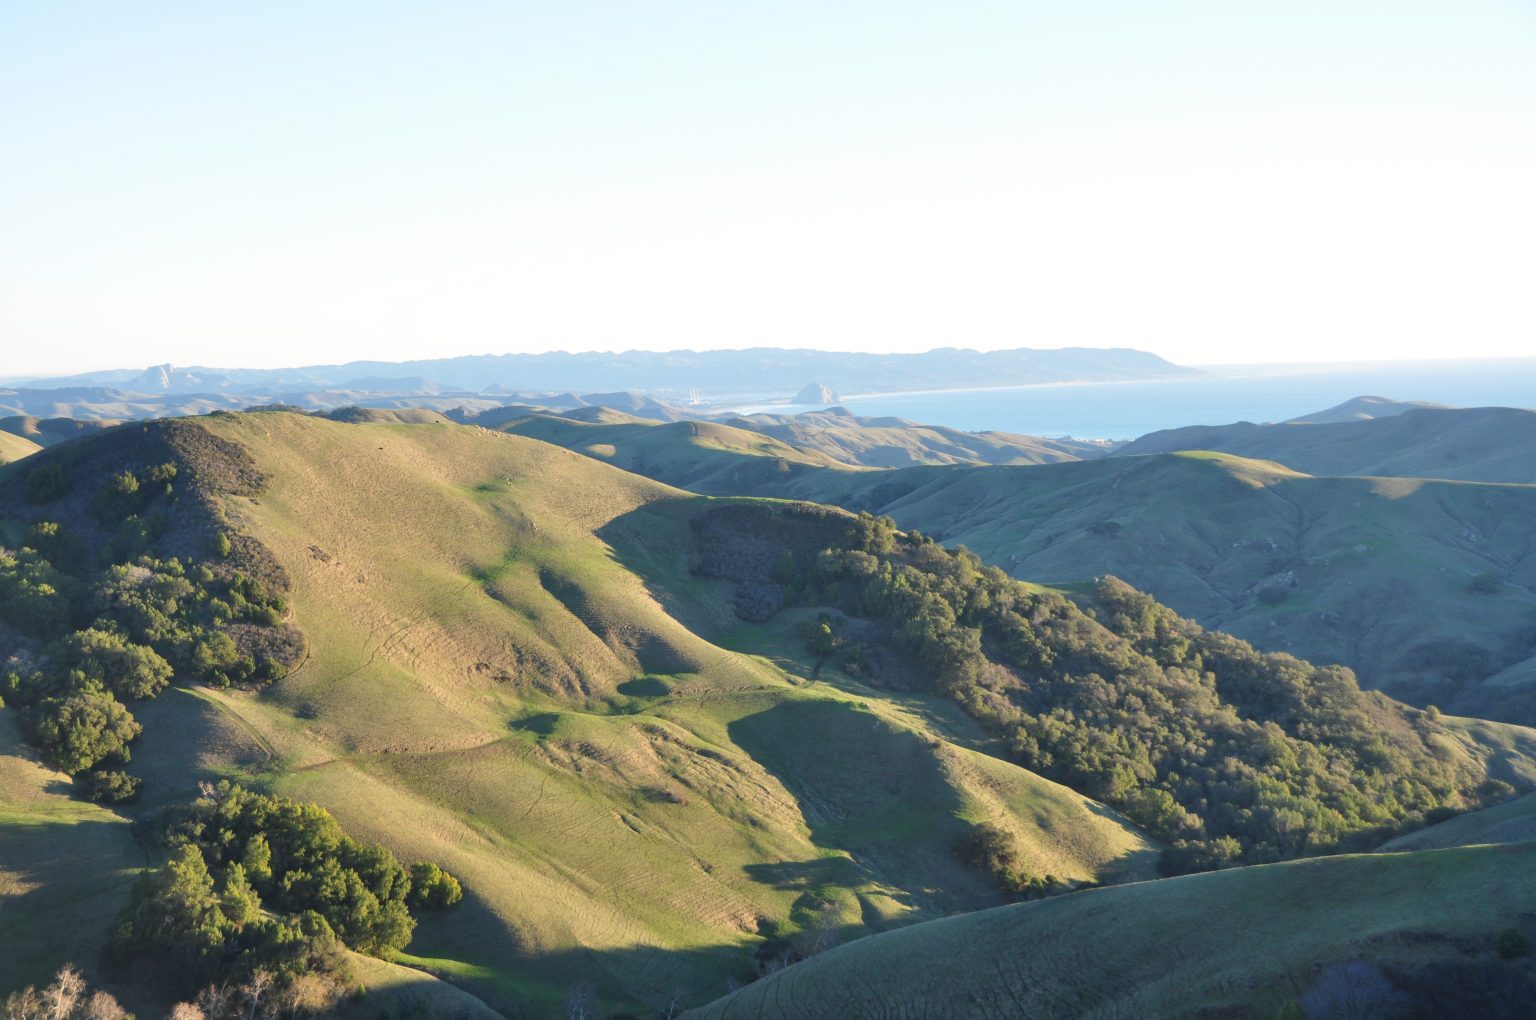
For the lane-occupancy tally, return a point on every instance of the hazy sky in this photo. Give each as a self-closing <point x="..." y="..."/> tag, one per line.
<point x="281" y="183"/>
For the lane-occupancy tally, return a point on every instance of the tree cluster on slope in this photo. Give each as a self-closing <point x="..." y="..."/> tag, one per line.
<point x="1226" y="753"/>
<point x="95" y="613"/>
<point x="257" y="883"/>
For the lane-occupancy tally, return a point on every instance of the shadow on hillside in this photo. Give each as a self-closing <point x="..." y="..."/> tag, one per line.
<point x="811" y="874"/>
<point x="534" y="984"/>
<point x="871" y="790"/>
<point x="72" y="879"/>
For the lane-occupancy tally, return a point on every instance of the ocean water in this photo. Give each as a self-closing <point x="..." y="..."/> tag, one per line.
<point x="1219" y="396"/>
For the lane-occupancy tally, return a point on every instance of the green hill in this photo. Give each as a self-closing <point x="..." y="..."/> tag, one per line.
<point x="761" y="453"/>
<point x="697" y="455"/>
<point x="896" y="442"/>
<point x="604" y="705"/>
<point x="1239" y="943"/>
<point x="487" y="684"/>
<point x="1423" y="587"/>
<point x="1478" y="444"/>
<point x="13" y="447"/>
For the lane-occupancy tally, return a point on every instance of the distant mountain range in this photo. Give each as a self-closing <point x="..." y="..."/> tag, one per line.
<point x="768" y="372"/>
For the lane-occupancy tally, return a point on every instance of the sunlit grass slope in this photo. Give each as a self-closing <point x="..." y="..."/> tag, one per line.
<point x="1426" y="588"/>
<point x="700" y="456"/>
<point x="66" y="866"/>
<point x="490" y="686"/>
<point x="13" y="447"/>
<point x="1236" y="943"/>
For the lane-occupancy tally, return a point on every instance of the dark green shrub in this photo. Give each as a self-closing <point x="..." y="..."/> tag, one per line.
<point x="107" y="787"/>
<point x="76" y="732"/>
<point x="432" y="887"/>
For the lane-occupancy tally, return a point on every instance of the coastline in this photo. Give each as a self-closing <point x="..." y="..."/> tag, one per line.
<point x="763" y="406"/>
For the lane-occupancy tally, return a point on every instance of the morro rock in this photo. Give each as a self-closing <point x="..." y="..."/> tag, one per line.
<point x="816" y="393"/>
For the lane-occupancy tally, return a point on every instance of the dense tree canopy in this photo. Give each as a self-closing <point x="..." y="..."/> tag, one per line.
<point x="261" y="881"/>
<point x="1225" y="752"/>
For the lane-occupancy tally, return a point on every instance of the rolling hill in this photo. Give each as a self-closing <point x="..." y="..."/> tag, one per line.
<point x="523" y="664"/>
<point x="1239" y="943"/>
<point x="1479" y="444"/>
<point x="1425" y="588"/>
<point x="896" y="442"/>
<point x="489" y="685"/>
<point x="700" y="456"/>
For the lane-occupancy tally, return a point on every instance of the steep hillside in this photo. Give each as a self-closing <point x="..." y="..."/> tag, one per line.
<point x="14" y="447"/>
<point x="1479" y="444"/>
<point x="486" y="683"/>
<point x="896" y="442"/>
<point x="1421" y="930"/>
<point x="1425" y="588"/>
<point x="66" y="868"/>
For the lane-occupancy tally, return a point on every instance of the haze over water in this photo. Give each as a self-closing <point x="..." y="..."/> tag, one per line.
<point x="1224" y="394"/>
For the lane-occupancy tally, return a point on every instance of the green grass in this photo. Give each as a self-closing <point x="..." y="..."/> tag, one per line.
<point x="65" y="868"/>
<point x="1482" y="444"/>
<point x="506" y="674"/>
<point x="1513" y="821"/>
<point x="1376" y="573"/>
<point x="513" y="672"/>
<point x="1236" y="943"/>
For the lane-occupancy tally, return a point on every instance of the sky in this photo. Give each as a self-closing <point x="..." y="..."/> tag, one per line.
<point x="1217" y="181"/>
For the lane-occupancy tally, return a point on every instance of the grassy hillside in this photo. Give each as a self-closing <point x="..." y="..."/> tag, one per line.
<point x="65" y="867"/>
<point x="697" y="455"/>
<point x="896" y="442"/>
<point x="1510" y="822"/>
<point x="1480" y="444"/>
<point x="1425" y="588"/>
<point x="516" y="664"/>
<point x="13" y="447"/>
<point x="47" y="431"/>
<point x="487" y="685"/>
<point x="762" y="453"/>
<point x="1237" y="943"/>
